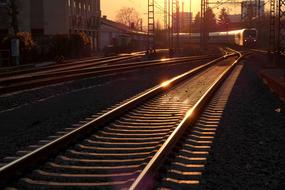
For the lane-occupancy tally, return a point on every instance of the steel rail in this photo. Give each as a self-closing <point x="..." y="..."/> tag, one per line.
<point x="74" y="64"/>
<point x="14" y="80"/>
<point x="103" y="65"/>
<point x="53" y="78"/>
<point x="146" y="179"/>
<point x="30" y="161"/>
<point x="111" y="59"/>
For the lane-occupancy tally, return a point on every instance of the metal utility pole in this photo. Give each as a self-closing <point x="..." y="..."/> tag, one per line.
<point x="172" y="8"/>
<point x="203" y="27"/>
<point x="165" y="15"/>
<point x="151" y="27"/>
<point x="256" y="8"/>
<point x="182" y="27"/>
<point x="169" y="25"/>
<point x="190" y="23"/>
<point x="272" y="27"/>
<point x="141" y="24"/>
<point x="166" y="22"/>
<point x="259" y="9"/>
<point x="177" y="25"/>
<point x="281" y="26"/>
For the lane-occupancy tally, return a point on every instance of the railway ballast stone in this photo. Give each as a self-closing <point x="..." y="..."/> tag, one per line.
<point x="248" y="151"/>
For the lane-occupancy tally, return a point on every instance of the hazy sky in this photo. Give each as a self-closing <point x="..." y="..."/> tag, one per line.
<point x="111" y="7"/>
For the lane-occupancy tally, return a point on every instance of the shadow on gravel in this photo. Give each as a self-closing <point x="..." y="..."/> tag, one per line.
<point x="248" y="151"/>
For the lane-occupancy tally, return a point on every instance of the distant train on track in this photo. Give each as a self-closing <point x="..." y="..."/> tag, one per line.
<point x="243" y="37"/>
<point x="134" y="40"/>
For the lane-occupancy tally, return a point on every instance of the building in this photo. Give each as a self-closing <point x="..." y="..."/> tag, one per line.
<point x="235" y="18"/>
<point x="249" y="9"/>
<point x="50" y="17"/>
<point x="117" y="34"/>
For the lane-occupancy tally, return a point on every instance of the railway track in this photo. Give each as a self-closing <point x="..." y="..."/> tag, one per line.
<point x="74" y="64"/>
<point x="78" y="63"/>
<point x="187" y="162"/>
<point x="180" y="162"/>
<point x="124" y="147"/>
<point x="44" y="77"/>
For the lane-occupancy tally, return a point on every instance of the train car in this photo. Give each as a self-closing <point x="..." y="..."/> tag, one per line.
<point x="243" y="37"/>
<point x="247" y="37"/>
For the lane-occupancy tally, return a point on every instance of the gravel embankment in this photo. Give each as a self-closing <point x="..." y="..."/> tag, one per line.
<point x="31" y="116"/>
<point x="248" y="151"/>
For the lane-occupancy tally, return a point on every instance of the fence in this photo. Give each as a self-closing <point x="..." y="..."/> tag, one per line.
<point x="4" y="58"/>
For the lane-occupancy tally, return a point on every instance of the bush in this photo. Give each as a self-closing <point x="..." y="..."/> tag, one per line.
<point x="73" y="45"/>
<point x="60" y="44"/>
<point x="49" y="48"/>
<point x="26" y="41"/>
<point x="27" y="45"/>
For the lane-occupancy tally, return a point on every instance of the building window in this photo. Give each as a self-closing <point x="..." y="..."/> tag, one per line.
<point x="68" y="1"/>
<point x="79" y="5"/>
<point x="74" y="4"/>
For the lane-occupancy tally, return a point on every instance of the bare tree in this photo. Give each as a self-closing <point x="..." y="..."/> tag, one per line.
<point x="128" y="16"/>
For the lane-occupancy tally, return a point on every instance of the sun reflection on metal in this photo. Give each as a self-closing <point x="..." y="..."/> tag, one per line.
<point x="165" y="84"/>
<point x="164" y="59"/>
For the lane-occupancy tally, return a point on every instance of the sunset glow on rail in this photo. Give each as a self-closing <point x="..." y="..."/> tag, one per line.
<point x="165" y="84"/>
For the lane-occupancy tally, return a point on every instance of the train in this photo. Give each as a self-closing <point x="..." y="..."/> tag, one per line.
<point x="134" y="40"/>
<point x="244" y="37"/>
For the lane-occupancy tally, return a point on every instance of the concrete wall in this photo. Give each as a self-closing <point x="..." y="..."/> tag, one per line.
<point x="37" y="14"/>
<point x="24" y="17"/>
<point x="56" y="17"/>
<point x="107" y="33"/>
<point x="4" y="19"/>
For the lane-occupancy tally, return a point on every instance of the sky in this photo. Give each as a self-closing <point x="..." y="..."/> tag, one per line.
<point x="111" y="7"/>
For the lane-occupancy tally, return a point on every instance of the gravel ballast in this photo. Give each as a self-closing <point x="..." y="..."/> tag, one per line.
<point x="248" y="150"/>
<point x="31" y="116"/>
